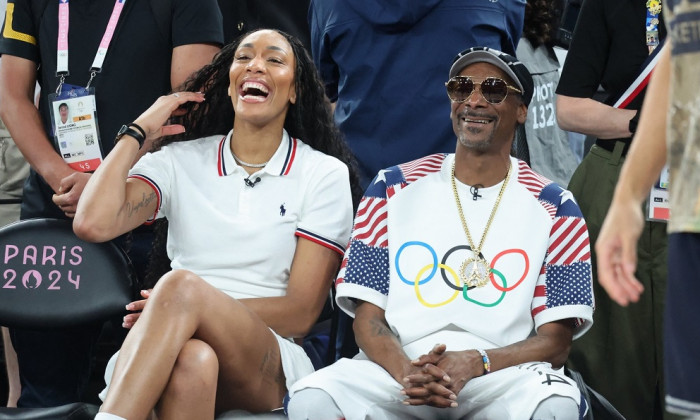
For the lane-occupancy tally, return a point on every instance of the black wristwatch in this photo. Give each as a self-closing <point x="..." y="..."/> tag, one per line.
<point x="633" y="123"/>
<point x="134" y="131"/>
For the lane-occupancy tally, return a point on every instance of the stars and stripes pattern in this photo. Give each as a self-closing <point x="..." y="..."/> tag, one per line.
<point x="533" y="181"/>
<point x="366" y="261"/>
<point x="417" y="169"/>
<point x="370" y="222"/>
<point x="565" y="276"/>
<point x="569" y="241"/>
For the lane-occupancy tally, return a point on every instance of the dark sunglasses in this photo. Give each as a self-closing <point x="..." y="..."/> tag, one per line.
<point x="493" y="89"/>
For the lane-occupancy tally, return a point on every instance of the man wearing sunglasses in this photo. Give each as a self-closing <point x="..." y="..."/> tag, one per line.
<point x="473" y="251"/>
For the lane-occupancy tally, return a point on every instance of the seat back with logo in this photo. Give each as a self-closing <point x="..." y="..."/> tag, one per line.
<point x="49" y="278"/>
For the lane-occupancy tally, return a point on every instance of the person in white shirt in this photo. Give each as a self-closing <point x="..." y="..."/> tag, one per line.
<point x="258" y="221"/>
<point x="473" y="251"/>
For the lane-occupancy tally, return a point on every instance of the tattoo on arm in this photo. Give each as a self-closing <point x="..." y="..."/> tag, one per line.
<point x="379" y="328"/>
<point x="134" y="207"/>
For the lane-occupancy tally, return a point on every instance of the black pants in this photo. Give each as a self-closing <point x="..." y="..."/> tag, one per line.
<point x="54" y="366"/>
<point x="681" y="334"/>
<point x="621" y="355"/>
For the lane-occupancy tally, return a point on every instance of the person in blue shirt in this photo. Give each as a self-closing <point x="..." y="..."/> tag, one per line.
<point x="382" y="63"/>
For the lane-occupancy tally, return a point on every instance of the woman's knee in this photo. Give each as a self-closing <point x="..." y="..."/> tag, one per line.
<point x="178" y="289"/>
<point x="192" y="385"/>
<point x="196" y="370"/>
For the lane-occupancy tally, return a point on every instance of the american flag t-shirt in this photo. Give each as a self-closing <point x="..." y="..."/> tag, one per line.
<point x="368" y="249"/>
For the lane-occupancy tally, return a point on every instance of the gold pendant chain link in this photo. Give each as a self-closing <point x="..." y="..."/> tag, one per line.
<point x="477" y="250"/>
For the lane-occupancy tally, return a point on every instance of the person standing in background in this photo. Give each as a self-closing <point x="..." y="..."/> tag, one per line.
<point x="548" y="148"/>
<point x="668" y="132"/>
<point x="621" y="357"/>
<point x="242" y="16"/>
<point x="382" y="63"/>
<point x="14" y="170"/>
<point x="130" y="53"/>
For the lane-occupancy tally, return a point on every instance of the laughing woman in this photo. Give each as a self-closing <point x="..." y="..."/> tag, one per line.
<point x="257" y="218"/>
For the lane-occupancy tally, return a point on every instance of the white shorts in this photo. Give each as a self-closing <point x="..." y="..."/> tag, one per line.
<point x="295" y="363"/>
<point x="364" y="390"/>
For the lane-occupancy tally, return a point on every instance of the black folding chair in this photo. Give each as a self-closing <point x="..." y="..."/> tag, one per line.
<point x="50" y="279"/>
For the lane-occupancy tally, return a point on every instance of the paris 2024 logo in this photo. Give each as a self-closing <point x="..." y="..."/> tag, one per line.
<point x="47" y="267"/>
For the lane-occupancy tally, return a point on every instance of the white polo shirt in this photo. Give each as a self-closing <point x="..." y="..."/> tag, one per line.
<point x="241" y="239"/>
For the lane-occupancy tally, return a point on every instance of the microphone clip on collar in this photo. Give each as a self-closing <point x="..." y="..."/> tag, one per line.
<point x="475" y="191"/>
<point x="251" y="183"/>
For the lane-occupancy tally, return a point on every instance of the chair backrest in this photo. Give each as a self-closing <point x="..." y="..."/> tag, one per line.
<point x="49" y="278"/>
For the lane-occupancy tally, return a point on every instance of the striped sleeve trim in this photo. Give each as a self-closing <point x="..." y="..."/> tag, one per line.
<point x="156" y="189"/>
<point x="332" y="245"/>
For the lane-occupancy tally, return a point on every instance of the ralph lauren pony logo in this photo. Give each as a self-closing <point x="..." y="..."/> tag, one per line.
<point x="283" y="211"/>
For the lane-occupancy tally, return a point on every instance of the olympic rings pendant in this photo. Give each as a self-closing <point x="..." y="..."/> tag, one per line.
<point x="474" y="272"/>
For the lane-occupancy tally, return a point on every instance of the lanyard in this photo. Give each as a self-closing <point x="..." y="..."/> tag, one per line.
<point x="653" y="42"/>
<point x="642" y="80"/>
<point x="62" y="47"/>
<point x="652" y="24"/>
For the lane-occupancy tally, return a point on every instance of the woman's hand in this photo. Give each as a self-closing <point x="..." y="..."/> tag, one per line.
<point x="153" y="119"/>
<point x="136" y="306"/>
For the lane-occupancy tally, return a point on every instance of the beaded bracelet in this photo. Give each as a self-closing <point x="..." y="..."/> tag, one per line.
<point x="486" y="360"/>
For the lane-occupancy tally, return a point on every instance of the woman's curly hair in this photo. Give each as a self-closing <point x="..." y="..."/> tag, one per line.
<point x="542" y="21"/>
<point x="309" y="119"/>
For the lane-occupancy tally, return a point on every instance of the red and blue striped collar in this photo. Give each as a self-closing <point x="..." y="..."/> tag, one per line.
<point x="280" y="164"/>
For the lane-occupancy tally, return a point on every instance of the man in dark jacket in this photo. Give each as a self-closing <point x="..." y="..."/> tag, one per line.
<point x="383" y="64"/>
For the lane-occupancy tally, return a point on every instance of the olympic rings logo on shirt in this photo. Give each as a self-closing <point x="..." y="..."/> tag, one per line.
<point x="455" y="283"/>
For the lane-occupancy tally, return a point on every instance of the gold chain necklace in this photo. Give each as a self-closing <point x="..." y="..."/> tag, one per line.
<point x="474" y="271"/>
